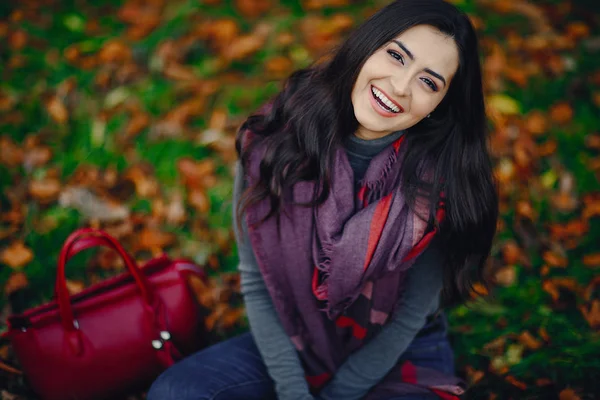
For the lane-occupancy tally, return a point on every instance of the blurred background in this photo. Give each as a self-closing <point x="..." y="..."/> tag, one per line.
<point x="121" y="114"/>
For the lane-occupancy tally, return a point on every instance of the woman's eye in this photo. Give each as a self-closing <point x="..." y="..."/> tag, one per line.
<point x="431" y="84"/>
<point x="396" y="55"/>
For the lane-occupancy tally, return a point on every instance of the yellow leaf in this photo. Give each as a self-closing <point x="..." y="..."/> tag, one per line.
<point x="504" y="104"/>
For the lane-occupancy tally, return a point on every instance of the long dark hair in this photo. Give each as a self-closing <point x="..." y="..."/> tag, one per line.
<point x="310" y="117"/>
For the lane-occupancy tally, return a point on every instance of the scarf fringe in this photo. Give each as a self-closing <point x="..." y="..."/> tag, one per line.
<point x="374" y="187"/>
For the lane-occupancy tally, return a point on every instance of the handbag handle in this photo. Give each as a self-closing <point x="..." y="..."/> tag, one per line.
<point x="83" y="239"/>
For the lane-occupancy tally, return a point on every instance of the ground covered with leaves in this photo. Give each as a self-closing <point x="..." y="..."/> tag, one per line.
<point x="122" y="115"/>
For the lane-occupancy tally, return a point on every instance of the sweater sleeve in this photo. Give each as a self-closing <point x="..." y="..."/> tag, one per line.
<point x="367" y="366"/>
<point x="275" y="347"/>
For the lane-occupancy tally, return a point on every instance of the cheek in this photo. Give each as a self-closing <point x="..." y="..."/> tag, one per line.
<point x="423" y="105"/>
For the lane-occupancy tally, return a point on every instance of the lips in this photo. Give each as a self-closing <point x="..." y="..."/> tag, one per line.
<point x="381" y="108"/>
<point x="387" y="97"/>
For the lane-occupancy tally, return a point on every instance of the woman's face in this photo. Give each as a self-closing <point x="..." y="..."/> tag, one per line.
<point x="403" y="81"/>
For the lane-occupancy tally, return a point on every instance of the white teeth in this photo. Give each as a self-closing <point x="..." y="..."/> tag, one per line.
<point x="385" y="100"/>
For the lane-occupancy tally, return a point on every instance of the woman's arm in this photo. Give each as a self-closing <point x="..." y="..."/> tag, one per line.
<point x="276" y="349"/>
<point x="367" y="366"/>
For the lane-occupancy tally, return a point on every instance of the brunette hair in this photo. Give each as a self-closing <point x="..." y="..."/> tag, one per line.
<point x="313" y="113"/>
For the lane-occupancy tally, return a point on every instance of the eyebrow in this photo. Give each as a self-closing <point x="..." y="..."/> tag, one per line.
<point x="412" y="57"/>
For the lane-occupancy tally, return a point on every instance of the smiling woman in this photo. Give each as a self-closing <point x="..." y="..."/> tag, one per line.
<point x="403" y="85"/>
<point x="364" y="190"/>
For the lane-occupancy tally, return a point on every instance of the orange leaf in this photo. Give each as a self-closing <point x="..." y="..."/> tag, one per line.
<point x="529" y="341"/>
<point x="16" y="281"/>
<point x="16" y="255"/>
<point x="511" y="253"/>
<point x="577" y="30"/>
<point x="515" y="382"/>
<point x="115" y="52"/>
<point x="11" y="154"/>
<point x="550" y="288"/>
<point x="506" y="276"/>
<point x="536" y="123"/>
<point x="253" y="8"/>
<point x="45" y="190"/>
<point x="153" y="239"/>
<point x="57" y="110"/>
<point x="136" y="124"/>
<point x="544" y="334"/>
<point x="568" y="394"/>
<point x="199" y="200"/>
<point x="591" y="260"/>
<point x="561" y="113"/>
<point x="75" y="287"/>
<point x="555" y="260"/>
<point x="592" y="313"/>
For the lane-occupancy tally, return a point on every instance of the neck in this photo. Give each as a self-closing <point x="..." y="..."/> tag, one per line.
<point x="366" y="134"/>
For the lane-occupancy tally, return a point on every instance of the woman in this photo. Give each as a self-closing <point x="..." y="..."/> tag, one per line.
<point x="364" y="191"/>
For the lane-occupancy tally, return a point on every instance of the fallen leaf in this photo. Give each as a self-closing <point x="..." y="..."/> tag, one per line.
<point x="75" y="287"/>
<point x="474" y="375"/>
<point x="511" y="253"/>
<point x="568" y="394"/>
<point x="198" y="199"/>
<point x="175" y="210"/>
<point x="115" y="51"/>
<point x="591" y="313"/>
<point x="195" y="173"/>
<point x="138" y="122"/>
<point x="44" y="190"/>
<point x="152" y="239"/>
<point x="561" y="113"/>
<point x="11" y="154"/>
<point x="543" y="382"/>
<point x="253" y="8"/>
<point x="577" y="30"/>
<point x="279" y="66"/>
<point x="591" y="260"/>
<point x="555" y="260"/>
<point x="504" y="104"/>
<point x="529" y="341"/>
<point x="16" y="255"/>
<point x="506" y="276"/>
<point x="146" y="185"/>
<point x="544" y="334"/>
<point x="18" y="40"/>
<point x="36" y="157"/>
<point x="16" y="281"/>
<point x="57" y="110"/>
<point x="91" y="206"/>
<point x="515" y="382"/>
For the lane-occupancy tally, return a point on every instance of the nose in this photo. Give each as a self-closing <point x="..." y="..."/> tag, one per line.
<point x="401" y="85"/>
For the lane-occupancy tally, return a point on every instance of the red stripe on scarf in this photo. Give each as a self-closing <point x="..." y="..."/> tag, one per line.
<point x="445" y="395"/>
<point x="377" y="223"/>
<point x="397" y="143"/>
<point x="320" y="295"/>
<point x="318" y="380"/>
<point x="425" y="240"/>
<point x="346" y="322"/>
<point x="361" y="195"/>
<point x="408" y="372"/>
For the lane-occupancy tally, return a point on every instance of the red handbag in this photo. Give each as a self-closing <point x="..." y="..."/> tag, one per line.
<point x="113" y="337"/>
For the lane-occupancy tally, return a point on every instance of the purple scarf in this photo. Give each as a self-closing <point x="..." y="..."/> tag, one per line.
<point x="336" y="272"/>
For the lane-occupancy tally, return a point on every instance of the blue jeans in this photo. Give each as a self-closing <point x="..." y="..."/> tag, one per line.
<point x="234" y="370"/>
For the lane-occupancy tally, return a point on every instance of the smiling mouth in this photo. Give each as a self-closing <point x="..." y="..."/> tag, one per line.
<point x="385" y="103"/>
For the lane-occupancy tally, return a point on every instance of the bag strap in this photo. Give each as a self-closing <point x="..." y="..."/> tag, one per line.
<point x="83" y="239"/>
